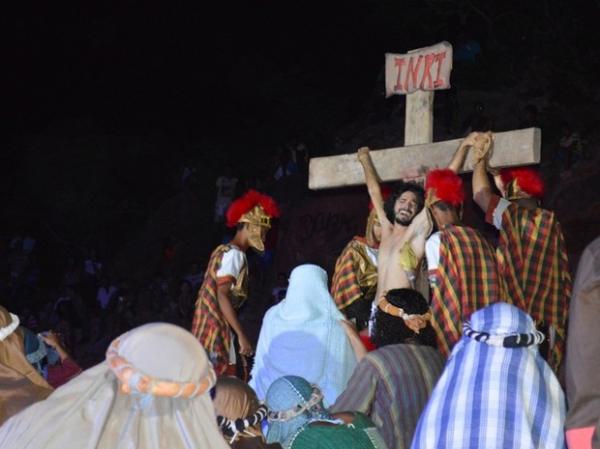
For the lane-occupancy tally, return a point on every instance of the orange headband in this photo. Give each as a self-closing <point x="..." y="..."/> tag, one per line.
<point x="414" y="322"/>
<point x="130" y="378"/>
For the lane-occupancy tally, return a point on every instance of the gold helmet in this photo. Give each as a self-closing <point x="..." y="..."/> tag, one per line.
<point x="256" y="210"/>
<point x="372" y="221"/>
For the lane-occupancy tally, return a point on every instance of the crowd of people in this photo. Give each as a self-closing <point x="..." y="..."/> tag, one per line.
<point x="428" y="336"/>
<point x="86" y="304"/>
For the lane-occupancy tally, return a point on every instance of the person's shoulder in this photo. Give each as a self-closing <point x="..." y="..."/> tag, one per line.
<point x="402" y="348"/>
<point x="357" y="242"/>
<point x="309" y="437"/>
<point x="230" y="251"/>
<point x="234" y="249"/>
<point x="271" y="311"/>
<point x="388" y="352"/>
<point x="433" y="240"/>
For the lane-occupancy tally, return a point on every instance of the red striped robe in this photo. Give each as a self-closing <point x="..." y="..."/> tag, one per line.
<point x="209" y="325"/>
<point x="465" y="280"/>
<point x="533" y="261"/>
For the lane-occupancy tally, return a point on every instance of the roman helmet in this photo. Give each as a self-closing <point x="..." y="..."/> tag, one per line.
<point x="255" y="209"/>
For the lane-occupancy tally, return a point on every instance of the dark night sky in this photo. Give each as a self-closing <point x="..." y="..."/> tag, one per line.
<point x="208" y="68"/>
<point x="195" y="69"/>
<point x="243" y="77"/>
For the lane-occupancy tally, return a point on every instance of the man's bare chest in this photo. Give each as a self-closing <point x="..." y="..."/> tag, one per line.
<point x="391" y="247"/>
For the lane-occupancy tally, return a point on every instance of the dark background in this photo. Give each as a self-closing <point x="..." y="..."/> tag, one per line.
<point x="103" y="104"/>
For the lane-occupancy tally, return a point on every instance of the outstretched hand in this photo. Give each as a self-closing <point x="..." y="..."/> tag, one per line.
<point x="470" y="140"/>
<point x="51" y="339"/>
<point x="363" y="154"/>
<point x="482" y="146"/>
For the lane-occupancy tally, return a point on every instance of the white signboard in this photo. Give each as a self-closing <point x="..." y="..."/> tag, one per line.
<point x="423" y="69"/>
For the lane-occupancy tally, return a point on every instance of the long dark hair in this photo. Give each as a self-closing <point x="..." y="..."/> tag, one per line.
<point x="401" y="187"/>
<point x="390" y="330"/>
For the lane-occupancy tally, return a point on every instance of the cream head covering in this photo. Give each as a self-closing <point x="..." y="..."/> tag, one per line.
<point x="150" y="393"/>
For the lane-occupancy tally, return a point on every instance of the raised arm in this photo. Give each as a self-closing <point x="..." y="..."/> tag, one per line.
<point x="418" y="231"/>
<point x="372" y="180"/>
<point x="461" y="152"/>
<point x="482" y="190"/>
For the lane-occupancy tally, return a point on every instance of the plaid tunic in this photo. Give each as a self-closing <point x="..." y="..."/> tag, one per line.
<point x="209" y="325"/>
<point x="465" y="280"/>
<point x="392" y="385"/>
<point x="355" y="275"/>
<point x="532" y="259"/>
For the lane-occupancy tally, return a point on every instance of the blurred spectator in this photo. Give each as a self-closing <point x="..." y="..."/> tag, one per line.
<point x="226" y="187"/>
<point x="285" y="165"/>
<point x="301" y="157"/>
<point x="20" y="384"/>
<point x="188" y="176"/>
<point x="194" y="277"/>
<point x="92" y="266"/>
<point x="48" y="356"/>
<point x="28" y="244"/>
<point x="105" y="292"/>
<point x="570" y="147"/>
<point x="280" y="288"/>
<point x="185" y="302"/>
<point x="72" y="273"/>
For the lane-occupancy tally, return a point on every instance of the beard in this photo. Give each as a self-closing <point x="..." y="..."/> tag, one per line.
<point x="403" y="220"/>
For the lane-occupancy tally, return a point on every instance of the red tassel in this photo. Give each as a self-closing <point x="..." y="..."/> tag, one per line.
<point x="247" y="202"/>
<point x="447" y="186"/>
<point x="529" y="180"/>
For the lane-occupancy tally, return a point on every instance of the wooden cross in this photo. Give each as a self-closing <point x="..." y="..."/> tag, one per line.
<point x="417" y="74"/>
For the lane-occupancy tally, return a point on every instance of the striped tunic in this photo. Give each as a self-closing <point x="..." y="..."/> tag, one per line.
<point x="209" y="325"/>
<point x="494" y="397"/>
<point x="392" y="386"/>
<point x="532" y="260"/>
<point x="466" y="279"/>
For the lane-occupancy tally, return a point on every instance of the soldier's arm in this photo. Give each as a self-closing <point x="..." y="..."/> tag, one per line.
<point x="223" y="292"/>
<point x="461" y="152"/>
<point x="372" y="180"/>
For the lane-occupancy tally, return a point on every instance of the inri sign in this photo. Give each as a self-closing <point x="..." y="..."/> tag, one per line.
<point x="423" y="69"/>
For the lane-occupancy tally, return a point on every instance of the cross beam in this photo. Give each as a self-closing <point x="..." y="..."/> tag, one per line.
<point x="511" y="148"/>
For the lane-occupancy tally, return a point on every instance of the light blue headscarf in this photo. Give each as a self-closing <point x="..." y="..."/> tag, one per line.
<point x="303" y="336"/>
<point x="287" y="394"/>
<point x="496" y="391"/>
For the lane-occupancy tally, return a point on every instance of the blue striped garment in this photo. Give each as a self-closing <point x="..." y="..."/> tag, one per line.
<point x="491" y="396"/>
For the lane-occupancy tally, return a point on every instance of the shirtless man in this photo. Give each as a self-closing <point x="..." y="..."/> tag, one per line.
<point x="405" y="225"/>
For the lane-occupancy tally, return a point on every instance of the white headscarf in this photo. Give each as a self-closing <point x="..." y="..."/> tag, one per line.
<point x="303" y="336"/>
<point x="92" y="412"/>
